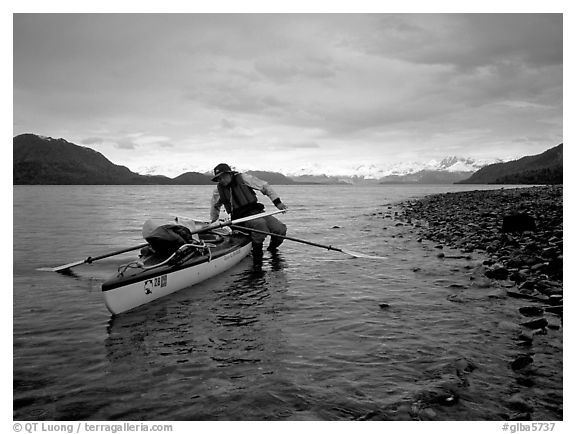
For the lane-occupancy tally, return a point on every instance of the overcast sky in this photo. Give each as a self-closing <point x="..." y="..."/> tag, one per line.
<point x="280" y="92"/>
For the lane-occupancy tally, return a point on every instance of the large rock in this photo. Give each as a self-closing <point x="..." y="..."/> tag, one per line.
<point x="497" y="272"/>
<point x="519" y="222"/>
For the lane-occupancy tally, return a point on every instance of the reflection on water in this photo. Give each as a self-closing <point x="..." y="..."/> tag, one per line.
<point x="204" y="347"/>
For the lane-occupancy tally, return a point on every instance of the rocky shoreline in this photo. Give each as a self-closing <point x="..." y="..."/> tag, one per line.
<point x="519" y="231"/>
<point x="518" y="234"/>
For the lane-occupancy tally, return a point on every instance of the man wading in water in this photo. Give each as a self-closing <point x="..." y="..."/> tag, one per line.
<point x="236" y="192"/>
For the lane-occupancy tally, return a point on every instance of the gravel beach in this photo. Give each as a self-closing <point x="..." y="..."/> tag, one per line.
<point x="517" y="234"/>
<point x="518" y="230"/>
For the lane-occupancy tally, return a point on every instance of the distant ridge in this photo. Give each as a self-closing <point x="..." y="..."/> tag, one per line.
<point x="44" y="160"/>
<point x="192" y="178"/>
<point x="426" y="177"/>
<point x="322" y="179"/>
<point x="272" y="177"/>
<point x="544" y="168"/>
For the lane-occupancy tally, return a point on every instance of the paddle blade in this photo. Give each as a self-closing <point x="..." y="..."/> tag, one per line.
<point x="62" y="268"/>
<point x="362" y="255"/>
<point x="180" y="219"/>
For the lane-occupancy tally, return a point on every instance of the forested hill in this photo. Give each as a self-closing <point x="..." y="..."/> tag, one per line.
<point x="44" y="160"/>
<point x="544" y="168"/>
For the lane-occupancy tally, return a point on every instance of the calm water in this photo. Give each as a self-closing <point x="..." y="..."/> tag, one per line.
<point x="301" y="338"/>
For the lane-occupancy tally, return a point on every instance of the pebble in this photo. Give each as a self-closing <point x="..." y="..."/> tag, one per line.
<point x="525" y="381"/>
<point x="556" y="310"/>
<point x="554" y="324"/>
<point x="518" y="402"/>
<point x="497" y="272"/>
<point x="428" y="414"/>
<point x="539" y="323"/>
<point x="520" y="417"/>
<point x="526" y="337"/>
<point x="555" y="299"/>
<point x="521" y="362"/>
<point x="531" y="311"/>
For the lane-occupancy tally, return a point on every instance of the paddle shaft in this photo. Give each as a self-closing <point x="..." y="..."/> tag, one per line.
<point x="117" y="252"/>
<point x="91" y="259"/>
<point x="298" y="240"/>
<point x="217" y="225"/>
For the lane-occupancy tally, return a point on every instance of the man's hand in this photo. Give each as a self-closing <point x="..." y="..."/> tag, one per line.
<point x="278" y="204"/>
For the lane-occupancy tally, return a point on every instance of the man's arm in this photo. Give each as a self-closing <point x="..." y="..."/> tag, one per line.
<point x="264" y="187"/>
<point x="215" y="206"/>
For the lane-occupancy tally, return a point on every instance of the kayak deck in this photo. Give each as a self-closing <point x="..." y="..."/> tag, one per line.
<point x="155" y="276"/>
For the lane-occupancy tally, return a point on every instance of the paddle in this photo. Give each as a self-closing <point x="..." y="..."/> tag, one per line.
<point x="91" y="259"/>
<point x="210" y="227"/>
<point x="298" y="240"/>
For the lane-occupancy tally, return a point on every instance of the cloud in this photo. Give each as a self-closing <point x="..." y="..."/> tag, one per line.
<point x="227" y="125"/>
<point x="303" y="145"/>
<point x="142" y="141"/>
<point x="358" y="84"/>
<point x="92" y="141"/>
<point x="296" y="145"/>
<point x="465" y="40"/>
<point x="294" y="66"/>
<point x="125" y="143"/>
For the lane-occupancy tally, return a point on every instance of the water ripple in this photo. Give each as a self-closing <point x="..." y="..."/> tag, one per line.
<point x="310" y="334"/>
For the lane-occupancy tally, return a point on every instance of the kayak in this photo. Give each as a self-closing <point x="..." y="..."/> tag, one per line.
<point x="156" y="275"/>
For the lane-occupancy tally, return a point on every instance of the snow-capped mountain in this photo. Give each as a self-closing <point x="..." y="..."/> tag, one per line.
<point x="460" y="164"/>
<point x="452" y="164"/>
<point x="449" y="169"/>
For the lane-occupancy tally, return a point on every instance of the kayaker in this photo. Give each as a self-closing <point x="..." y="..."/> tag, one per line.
<point x="236" y="192"/>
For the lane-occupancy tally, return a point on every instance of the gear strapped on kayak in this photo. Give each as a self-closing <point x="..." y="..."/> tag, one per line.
<point x="171" y="244"/>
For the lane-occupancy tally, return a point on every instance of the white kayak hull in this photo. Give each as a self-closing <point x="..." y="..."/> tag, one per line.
<point x="124" y="293"/>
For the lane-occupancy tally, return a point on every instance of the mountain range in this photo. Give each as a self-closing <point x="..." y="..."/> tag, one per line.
<point x="44" y="160"/>
<point x="446" y="171"/>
